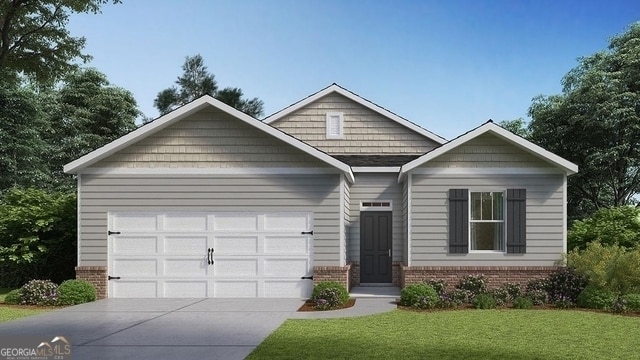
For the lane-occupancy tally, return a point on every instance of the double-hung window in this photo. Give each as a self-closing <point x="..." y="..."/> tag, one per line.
<point x="486" y="221"/>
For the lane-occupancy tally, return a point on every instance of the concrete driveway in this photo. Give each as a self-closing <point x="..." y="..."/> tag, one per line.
<point x="161" y="328"/>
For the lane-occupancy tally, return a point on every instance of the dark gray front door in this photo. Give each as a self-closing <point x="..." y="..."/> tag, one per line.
<point x="375" y="247"/>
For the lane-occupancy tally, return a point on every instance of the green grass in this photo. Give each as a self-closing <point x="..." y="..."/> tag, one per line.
<point x="9" y="312"/>
<point x="465" y="334"/>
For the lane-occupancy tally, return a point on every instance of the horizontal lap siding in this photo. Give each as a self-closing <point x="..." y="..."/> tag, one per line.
<point x="370" y="187"/>
<point x="430" y="219"/>
<point x="261" y="193"/>
<point x="365" y="131"/>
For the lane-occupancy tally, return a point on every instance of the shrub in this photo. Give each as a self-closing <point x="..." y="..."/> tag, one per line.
<point x="474" y="284"/>
<point x="565" y="284"/>
<point x="419" y="295"/>
<point x="13" y="297"/>
<point x="632" y="301"/>
<point x="594" y="297"/>
<point x="611" y="267"/>
<point x="537" y="291"/>
<point x="73" y="292"/>
<point x="501" y="296"/>
<point x="484" y="301"/>
<point x="329" y="294"/>
<point x="439" y="285"/>
<point x="513" y="289"/>
<point x="609" y="226"/>
<point x="39" y="292"/>
<point x="522" y="303"/>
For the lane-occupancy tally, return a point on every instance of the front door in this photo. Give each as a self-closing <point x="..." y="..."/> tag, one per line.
<point x="375" y="247"/>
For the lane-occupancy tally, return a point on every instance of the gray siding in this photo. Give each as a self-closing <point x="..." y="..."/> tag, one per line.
<point x="370" y="186"/>
<point x="210" y="139"/>
<point x="104" y="193"/>
<point x="429" y="212"/>
<point x="365" y="131"/>
<point x="486" y="150"/>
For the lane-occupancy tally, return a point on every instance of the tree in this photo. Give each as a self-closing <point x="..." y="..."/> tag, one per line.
<point x="595" y="123"/>
<point x="34" y="41"/>
<point x="517" y="126"/>
<point x="22" y="148"/>
<point x="88" y="112"/>
<point x="608" y="226"/>
<point x="196" y="81"/>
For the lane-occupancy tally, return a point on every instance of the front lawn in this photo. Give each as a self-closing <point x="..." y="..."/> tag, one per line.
<point x="462" y="334"/>
<point x="12" y="312"/>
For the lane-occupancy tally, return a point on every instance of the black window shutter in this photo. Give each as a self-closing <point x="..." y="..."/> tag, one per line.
<point x="516" y="221"/>
<point x="458" y="221"/>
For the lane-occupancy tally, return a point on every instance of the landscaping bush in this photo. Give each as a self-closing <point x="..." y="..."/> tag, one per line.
<point x="513" y="289"/>
<point x="419" y="295"/>
<point x="609" y="226"/>
<point x="565" y="284"/>
<point x="484" y="301"/>
<point x="594" y="297"/>
<point x="74" y="292"/>
<point x="537" y="290"/>
<point x="632" y="301"/>
<point x="501" y="296"/>
<point x="329" y="294"/>
<point x="439" y="285"/>
<point x="39" y="292"/>
<point x="13" y="297"/>
<point x="522" y="303"/>
<point x="611" y="267"/>
<point x="474" y="284"/>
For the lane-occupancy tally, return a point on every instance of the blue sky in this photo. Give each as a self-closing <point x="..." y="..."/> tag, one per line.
<point x="445" y="65"/>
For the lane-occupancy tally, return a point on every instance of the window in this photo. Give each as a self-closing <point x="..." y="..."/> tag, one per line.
<point x="335" y="125"/>
<point x="383" y="205"/>
<point x="486" y="221"/>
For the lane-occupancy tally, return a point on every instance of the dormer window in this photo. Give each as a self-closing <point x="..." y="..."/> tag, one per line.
<point x="335" y="121"/>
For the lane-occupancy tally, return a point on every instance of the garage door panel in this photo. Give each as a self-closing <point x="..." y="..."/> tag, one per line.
<point x="286" y="245"/>
<point x="136" y="222"/>
<point x="279" y="222"/>
<point x="185" y="289"/>
<point x="235" y="267"/>
<point x="189" y="222"/>
<point x="135" y="267"/>
<point x="293" y="287"/>
<point x="185" y="267"/>
<point x="135" y="245"/>
<point x="185" y="245"/>
<point x="289" y="268"/>
<point x="235" y="288"/>
<point x="235" y="245"/>
<point x="235" y="222"/>
<point x="135" y="289"/>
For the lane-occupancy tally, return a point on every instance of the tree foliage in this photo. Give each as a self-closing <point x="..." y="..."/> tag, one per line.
<point x="517" y="126"/>
<point x="608" y="226"/>
<point x="34" y="40"/>
<point x="595" y="123"/>
<point x="196" y="81"/>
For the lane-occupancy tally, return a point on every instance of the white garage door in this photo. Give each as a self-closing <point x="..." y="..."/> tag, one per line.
<point x="210" y="255"/>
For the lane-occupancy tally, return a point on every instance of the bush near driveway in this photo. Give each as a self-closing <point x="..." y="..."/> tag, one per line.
<point x="74" y="292"/>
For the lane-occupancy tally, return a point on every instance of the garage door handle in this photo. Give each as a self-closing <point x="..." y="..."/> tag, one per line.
<point x="210" y="256"/>
<point x="307" y="277"/>
<point x="113" y="277"/>
<point x="307" y="232"/>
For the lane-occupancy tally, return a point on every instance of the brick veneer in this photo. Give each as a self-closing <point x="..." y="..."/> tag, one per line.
<point x="496" y="275"/>
<point x="97" y="275"/>
<point x="396" y="273"/>
<point x="332" y="273"/>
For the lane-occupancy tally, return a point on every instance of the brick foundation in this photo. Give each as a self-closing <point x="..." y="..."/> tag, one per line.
<point x="97" y="275"/>
<point x="332" y="273"/>
<point x="396" y="273"/>
<point x="496" y="275"/>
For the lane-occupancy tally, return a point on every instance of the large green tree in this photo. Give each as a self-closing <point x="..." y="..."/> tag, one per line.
<point x="595" y="123"/>
<point x="196" y="81"/>
<point x="34" y="40"/>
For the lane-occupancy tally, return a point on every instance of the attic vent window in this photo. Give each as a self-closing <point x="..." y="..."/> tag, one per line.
<point x="335" y="122"/>
<point x="375" y="205"/>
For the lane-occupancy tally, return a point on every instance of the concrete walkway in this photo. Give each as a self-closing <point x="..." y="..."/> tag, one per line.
<point x="158" y="329"/>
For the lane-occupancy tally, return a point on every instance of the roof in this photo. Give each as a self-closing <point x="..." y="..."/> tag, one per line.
<point x="335" y="88"/>
<point x="191" y="108"/>
<point x="376" y="160"/>
<point x="491" y="128"/>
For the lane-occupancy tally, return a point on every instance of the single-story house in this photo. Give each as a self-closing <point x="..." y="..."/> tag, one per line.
<point x="207" y="201"/>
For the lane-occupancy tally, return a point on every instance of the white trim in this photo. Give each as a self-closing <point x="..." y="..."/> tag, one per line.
<point x="343" y="246"/>
<point x="328" y="117"/>
<point x="503" y="221"/>
<point x="78" y="222"/>
<point x="208" y="171"/>
<point x="376" y="208"/>
<point x="564" y="214"/>
<point x="375" y="169"/>
<point x="487" y="171"/>
<point x="409" y="220"/>
<point x="356" y="98"/>
<point x="187" y="110"/>
<point x="489" y="127"/>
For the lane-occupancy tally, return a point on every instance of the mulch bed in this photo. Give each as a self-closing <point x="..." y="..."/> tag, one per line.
<point x="310" y="305"/>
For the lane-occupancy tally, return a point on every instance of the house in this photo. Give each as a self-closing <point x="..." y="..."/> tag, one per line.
<point x="207" y="201"/>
